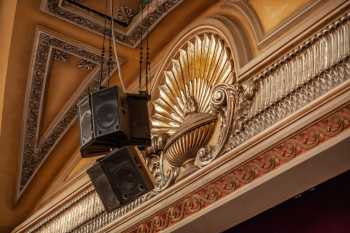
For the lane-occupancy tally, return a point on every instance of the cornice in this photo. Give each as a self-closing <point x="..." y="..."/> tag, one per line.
<point x="271" y="159"/>
<point x="308" y="24"/>
<point x="297" y="79"/>
<point x="296" y="145"/>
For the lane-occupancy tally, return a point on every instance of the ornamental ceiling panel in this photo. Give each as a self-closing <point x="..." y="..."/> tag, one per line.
<point x="125" y="13"/>
<point x="130" y="21"/>
<point x="61" y="71"/>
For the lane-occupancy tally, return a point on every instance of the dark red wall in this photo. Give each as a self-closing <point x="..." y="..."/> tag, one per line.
<point x="325" y="209"/>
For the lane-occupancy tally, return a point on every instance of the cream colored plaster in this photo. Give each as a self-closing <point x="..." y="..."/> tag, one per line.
<point x="273" y="12"/>
<point x="96" y="4"/>
<point x="7" y="16"/>
<point x="64" y="79"/>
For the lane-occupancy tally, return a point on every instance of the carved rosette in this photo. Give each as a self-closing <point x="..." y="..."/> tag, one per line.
<point x="198" y="95"/>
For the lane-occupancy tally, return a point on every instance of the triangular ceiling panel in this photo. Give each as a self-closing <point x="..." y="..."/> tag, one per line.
<point x="62" y="82"/>
<point x="51" y="98"/>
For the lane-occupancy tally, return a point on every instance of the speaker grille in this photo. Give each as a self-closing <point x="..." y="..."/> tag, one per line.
<point x="103" y="187"/>
<point x="127" y="181"/>
<point x="86" y="131"/>
<point x="105" y="109"/>
<point x="126" y="177"/>
<point x="106" y="116"/>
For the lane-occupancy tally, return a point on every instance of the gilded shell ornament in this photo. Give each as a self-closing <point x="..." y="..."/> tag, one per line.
<point x="183" y="109"/>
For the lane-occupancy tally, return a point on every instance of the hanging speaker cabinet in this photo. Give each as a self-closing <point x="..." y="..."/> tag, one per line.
<point x="103" y="121"/>
<point x="139" y="124"/>
<point x="120" y="177"/>
<point x="110" y="118"/>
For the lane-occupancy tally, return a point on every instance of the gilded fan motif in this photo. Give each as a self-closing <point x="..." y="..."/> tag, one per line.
<point x="198" y="93"/>
<point x="202" y="64"/>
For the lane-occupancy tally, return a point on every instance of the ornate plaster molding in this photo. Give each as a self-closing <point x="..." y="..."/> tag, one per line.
<point x="125" y="14"/>
<point x="314" y="78"/>
<point x="278" y="155"/>
<point x="190" y="103"/>
<point x="48" y="47"/>
<point x="85" y="212"/>
<point x="301" y="76"/>
<point x="264" y="38"/>
<point x="153" y="14"/>
<point x="233" y="103"/>
<point x="82" y="213"/>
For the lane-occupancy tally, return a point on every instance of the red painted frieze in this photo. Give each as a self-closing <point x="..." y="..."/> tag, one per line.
<point x="277" y="155"/>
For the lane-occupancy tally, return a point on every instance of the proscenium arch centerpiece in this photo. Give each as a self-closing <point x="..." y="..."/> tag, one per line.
<point x="196" y="95"/>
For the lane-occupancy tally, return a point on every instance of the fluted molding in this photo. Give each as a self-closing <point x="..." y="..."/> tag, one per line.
<point x="312" y="69"/>
<point x="63" y="215"/>
<point x="301" y="76"/>
<point x="83" y="213"/>
<point x="306" y="62"/>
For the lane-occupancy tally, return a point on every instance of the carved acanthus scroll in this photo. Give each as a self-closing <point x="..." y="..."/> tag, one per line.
<point x="231" y="103"/>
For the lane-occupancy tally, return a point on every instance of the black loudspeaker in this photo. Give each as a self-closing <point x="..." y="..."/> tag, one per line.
<point x="140" y="133"/>
<point x="109" y="119"/>
<point x="85" y="120"/>
<point x="103" y="121"/>
<point x="120" y="177"/>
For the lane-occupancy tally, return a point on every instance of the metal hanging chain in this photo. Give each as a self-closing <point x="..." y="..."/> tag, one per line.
<point x="115" y="46"/>
<point x="148" y="63"/>
<point x="110" y="60"/>
<point x="103" y="52"/>
<point x="141" y="47"/>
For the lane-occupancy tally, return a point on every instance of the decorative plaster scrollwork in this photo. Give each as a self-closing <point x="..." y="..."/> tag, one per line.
<point x="322" y="80"/>
<point x="183" y="110"/>
<point x="232" y="103"/>
<point x="86" y="65"/>
<point x="168" y="176"/>
<point x="302" y="75"/>
<point x="125" y="14"/>
<point x="59" y="55"/>
<point x="49" y="47"/>
<point x="88" y="19"/>
<point x="240" y="176"/>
